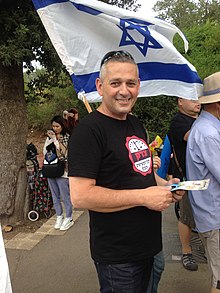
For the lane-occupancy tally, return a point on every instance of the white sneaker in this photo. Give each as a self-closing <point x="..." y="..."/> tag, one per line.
<point x="59" y="222"/>
<point x="67" y="223"/>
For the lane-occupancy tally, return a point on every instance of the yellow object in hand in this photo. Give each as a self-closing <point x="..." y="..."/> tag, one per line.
<point x="155" y="144"/>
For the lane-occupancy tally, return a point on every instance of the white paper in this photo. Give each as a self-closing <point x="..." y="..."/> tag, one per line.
<point x="191" y="185"/>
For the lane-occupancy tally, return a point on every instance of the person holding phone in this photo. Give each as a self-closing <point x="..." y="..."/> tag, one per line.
<point x="58" y="137"/>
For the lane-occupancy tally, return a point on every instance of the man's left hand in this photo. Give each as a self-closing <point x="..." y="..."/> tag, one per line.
<point x="178" y="194"/>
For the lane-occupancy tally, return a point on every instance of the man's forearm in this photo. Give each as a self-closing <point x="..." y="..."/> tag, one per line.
<point x="86" y="194"/>
<point x="90" y="196"/>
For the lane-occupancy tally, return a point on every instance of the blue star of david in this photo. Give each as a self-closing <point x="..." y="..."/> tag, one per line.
<point x="141" y="27"/>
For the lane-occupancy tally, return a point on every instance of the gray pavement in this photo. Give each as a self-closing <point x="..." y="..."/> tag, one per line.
<point x="175" y="278"/>
<point x="50" y="261"/>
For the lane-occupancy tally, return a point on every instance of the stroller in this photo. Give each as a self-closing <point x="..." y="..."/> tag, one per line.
<point x="41" y="198"/>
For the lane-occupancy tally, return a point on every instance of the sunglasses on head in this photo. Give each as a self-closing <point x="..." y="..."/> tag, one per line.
<point x="115" y="54"/>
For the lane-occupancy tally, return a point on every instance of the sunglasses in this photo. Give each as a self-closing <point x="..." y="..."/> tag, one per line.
<point x="115" y="55"/>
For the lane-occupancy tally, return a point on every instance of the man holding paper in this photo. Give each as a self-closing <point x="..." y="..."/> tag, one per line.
<point x="111" y="174"/>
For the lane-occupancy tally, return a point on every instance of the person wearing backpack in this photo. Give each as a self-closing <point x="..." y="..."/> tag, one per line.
<point x="57" y="141"/>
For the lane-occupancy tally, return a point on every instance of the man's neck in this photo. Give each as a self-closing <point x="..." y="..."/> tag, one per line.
<point x="106" y="112"/>
<point x="211" y="109"/>
<point x="193" y="115"/>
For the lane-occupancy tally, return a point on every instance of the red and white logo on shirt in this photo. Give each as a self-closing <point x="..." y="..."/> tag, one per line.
<point x="139" y="154"/>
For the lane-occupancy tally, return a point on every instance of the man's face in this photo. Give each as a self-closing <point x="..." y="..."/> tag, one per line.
<point x="189" y="107"/>
<point x="119" y="87"/>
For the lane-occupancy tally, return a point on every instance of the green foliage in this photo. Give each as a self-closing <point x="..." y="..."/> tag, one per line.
<point x="39" y="82"/>
<point x="40" y="114"/>
<point x="24" y="38"/>
<point x="188" y="13"/>
<point x="179" y="12"/>
<point x="204" y="50"/>
<point x="155" y="113"/>
<point x="204" y="47"/>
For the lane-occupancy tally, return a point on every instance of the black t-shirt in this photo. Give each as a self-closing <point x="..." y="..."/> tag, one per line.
<point x="115" y="153"/>
<point x="179" y="126"/>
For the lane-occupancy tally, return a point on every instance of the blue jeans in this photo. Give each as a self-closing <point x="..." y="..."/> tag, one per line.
<point x="59" y="188"/>
<point x="124" y="278"/>
<point x="157" y="270"/>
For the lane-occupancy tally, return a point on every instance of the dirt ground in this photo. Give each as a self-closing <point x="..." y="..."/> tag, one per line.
<point x="26" y="227"/>
<point x="37" y="138"/>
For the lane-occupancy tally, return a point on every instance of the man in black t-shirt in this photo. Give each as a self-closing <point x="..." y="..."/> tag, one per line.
<point x="111" y="174"/>
<point x="179" y="131"/>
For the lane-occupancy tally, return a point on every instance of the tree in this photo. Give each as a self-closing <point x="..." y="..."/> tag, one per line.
<point x="204" y="49"/>
<point x="22" y="39"/>
<point x="188" y="13"/>
<point x="155" y="113"/>
<point x="179" y="12"/>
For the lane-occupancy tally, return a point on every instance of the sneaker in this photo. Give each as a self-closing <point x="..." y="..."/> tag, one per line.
<point x="67" y="223"/>
<point x="189" y="262"/>
<point x="59" y="222"/>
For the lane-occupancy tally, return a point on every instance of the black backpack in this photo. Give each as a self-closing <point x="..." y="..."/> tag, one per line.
<point x="53" y="167"/>
<point x="31" y="156"/>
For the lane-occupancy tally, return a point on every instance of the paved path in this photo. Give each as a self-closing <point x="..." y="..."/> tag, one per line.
<point x="50" y="261"/>
<point x="175" y="278"/>
<point x="27" y="241"/>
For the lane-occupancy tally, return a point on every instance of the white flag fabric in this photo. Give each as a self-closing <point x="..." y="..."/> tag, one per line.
<point x="82" y="32"/>
<point x="5" y="282"/>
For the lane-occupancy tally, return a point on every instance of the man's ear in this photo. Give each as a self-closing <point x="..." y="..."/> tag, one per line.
<point x="98" y="84"/>
<point x="179" y="101"/>
<point x="139" y="85"/>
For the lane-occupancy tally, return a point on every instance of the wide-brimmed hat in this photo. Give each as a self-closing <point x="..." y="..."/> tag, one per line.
<point x="211" y="89"/>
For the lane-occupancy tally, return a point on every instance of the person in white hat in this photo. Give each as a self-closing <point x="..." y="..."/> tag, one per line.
<point x="203" y="162"/>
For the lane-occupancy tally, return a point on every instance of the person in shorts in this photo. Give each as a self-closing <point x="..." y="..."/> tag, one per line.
<point x="178" y="134"/>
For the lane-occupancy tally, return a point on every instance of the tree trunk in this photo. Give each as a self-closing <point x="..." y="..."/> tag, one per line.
<point x="13" y="136"/>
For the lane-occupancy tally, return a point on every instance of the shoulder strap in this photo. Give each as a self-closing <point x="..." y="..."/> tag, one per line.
<point x="175" y="157"/>
<point x="176" y="161"/>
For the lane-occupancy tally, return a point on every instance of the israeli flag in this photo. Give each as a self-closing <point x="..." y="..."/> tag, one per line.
<point x="82" y="32"/>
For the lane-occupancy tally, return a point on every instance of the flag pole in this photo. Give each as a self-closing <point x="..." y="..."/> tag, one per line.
<point x="86" y="103"/>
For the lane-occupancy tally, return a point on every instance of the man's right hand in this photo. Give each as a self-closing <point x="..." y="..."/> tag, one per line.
<point x="158" y="198"/>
